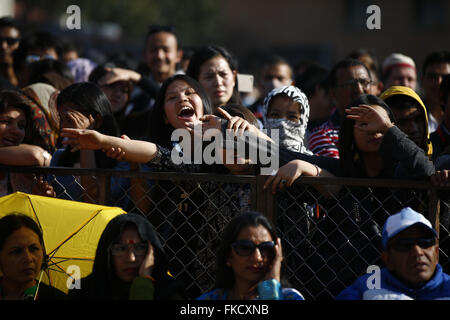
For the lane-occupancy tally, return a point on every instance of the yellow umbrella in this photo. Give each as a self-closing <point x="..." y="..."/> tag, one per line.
<point x="71" y="232"/>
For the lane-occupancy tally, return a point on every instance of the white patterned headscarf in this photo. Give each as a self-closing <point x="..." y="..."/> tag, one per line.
<point x="291" y="134"/>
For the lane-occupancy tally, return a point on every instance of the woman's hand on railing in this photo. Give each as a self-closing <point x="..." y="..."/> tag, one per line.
<point x="43" y="188"/>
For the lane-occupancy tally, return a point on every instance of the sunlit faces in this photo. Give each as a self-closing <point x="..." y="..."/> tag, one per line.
<point x="126" y="265"/>
<point x="402" y="76"/>
<point x="218" y="80"/>
<point x="117" y="93"/>
<point x="12" y="127"/>
<point x="283" y="107"/>
<point x="412" y="122"/>
<point x="162" y="55"/>
<point x="251" y="268"/>
<point x="367" y="141"/>
<point x="413" y="266"/>
<point x="351" y="83"/>
<point x="275" y="76"/>
<point x="21" y="257"/>
<point x="182" y="105"/>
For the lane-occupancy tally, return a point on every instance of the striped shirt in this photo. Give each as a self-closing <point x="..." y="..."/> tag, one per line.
<point x="324" y="140"/>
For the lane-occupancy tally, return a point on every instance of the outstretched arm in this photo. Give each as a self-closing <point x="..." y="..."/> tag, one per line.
<point x="132" y="150"/>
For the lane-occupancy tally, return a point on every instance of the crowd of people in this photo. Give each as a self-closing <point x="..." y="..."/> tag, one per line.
<point x="360" y="119"/>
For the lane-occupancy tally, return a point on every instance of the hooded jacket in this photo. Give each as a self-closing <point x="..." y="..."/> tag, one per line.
<point x="391" y="288"/>
<point x="400" y="90"/>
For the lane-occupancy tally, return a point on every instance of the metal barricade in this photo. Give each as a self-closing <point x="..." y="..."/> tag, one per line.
<point x="330" y="227"/>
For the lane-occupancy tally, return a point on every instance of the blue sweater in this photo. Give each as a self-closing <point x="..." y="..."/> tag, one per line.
<point x="391" y="288"/>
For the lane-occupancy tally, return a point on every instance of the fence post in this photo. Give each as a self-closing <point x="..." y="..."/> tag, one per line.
<point x="263" y="199"/>
<point x="434" y="208"/>
<point x="103" y="185"/>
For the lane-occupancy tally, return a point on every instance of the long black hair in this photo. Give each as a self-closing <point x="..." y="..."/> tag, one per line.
<point x="349" y="155"/>
<point x="224" y="273"/>
<point x="160" y="132"/>
<point x="102" y="281"/>
<point x="207" y="53"/>
<point x="89" y="99"/>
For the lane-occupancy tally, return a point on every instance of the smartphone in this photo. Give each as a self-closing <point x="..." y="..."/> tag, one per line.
<point x="245" y="82"/>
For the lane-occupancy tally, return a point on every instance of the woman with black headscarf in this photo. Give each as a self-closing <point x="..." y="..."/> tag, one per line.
<point x="130" y="263"/>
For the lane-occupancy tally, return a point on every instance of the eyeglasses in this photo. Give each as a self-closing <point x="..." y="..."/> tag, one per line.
<point x="404" y="245"/>
<point x="246" y="247"/>
<point x="120" y="249"/>
<point x="9" y="40"/>
<point x="365" y="83"/>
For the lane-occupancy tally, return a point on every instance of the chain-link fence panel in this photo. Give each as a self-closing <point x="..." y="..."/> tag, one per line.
<point x="330" y="228"/>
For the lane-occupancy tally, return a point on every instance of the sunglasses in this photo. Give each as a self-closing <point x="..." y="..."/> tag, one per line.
<point x="246" y="247"/>
<point x="120" y="249"/>
<point x="10" y="41"/>
<point x="404" y="245"/>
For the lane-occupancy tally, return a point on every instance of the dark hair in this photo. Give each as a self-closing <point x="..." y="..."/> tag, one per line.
<point x="89" y="99"/>
<point x="13" y="98"/>
<point x="358" y="53"/>
<point x="13" y="222"/>
<point x="160" y="132"/>
<point x="207" y="53"/>
<point x="344" y="64"/>
<point x="51" y="71"/>
<point x="312" y="77"/>
<point x="445" y="88"/>
<point x="155" y="28"/>
<point x="10" y="22"/>
<point x="43" y="40"/>
<point x="349" y="156"/>
<point x="434" y="58"/>
<point x="103" y="277"/>
<point x="224" y="274"/>
<point x="275" y="60"/>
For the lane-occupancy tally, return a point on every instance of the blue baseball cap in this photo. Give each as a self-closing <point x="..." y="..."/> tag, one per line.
<point x="402" y="220"/>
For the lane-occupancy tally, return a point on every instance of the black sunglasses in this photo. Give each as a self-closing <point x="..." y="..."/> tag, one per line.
<point x="404" y="245"/>
<point x="246" y="247"/>
<point x="9" y="40"/>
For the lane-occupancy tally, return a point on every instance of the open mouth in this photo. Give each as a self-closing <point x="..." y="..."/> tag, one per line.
<point x="186" y="113"/>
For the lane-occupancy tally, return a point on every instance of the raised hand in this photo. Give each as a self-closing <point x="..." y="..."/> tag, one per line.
<point x="275" y="267"/>
<point x="370" y="118"/>
<point x="119" y="74"/>
<point x="147" y="265"/>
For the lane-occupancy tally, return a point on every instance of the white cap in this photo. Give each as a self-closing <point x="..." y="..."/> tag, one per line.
<point x="397" y="60"/>
<point x="402" y="220"/>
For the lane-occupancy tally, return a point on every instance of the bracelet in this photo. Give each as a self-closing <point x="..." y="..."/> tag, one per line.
<point x="318" y="171"/>
<point x="269" y="290"/>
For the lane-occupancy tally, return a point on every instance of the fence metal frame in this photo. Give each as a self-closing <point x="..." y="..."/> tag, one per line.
<point x="262" y="200"/>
